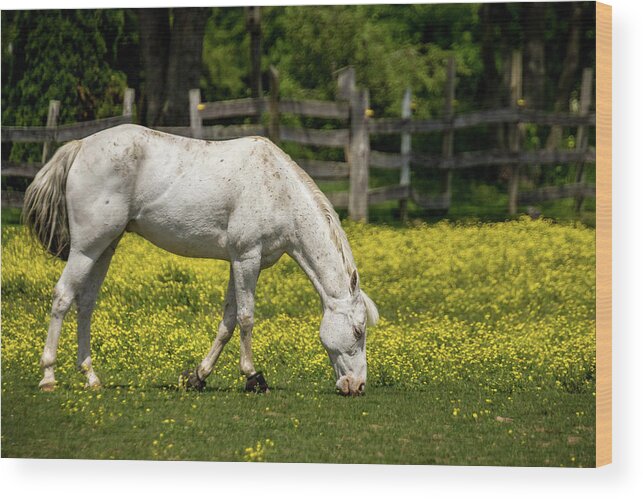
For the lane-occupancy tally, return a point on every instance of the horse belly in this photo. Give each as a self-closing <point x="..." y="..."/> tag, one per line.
<point x="210" y="245"/>
<point x="185" y="227"/>
<point x="206" y="200"/>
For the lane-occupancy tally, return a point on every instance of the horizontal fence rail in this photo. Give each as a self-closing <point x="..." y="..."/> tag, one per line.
<point x="314" y="137"/>
<point x="553" y="192"/>
<point x="232" y="108"/>
<point x="315" y="108"/>
<point x="51" y="134"/>
<point x="472" y="159"/>
<point x="395" y="126"/>
<point x="353" y="129"/>
<point x="379" y="195"/>
<point x="325" y="170"/>
<point x="12" y="199"/>
<point x="26" y="170"/>
<point x="217" y="132"/>
<point x="62" y="133"/>
<point x="257" y="106"/>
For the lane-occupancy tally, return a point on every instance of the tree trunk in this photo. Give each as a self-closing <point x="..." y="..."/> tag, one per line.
<point x="154" y="26"/>
<point x="533" y="25"/>
<point x="490" y="77"/>
<point x="495" y="83"/>
<point x="533" y="22"/>
<point x="184" y="63"/>
<point x="253" y="25"/>
<point x="568" y="74"/>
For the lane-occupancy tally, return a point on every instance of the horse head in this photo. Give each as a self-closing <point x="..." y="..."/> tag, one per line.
<point x="343" y="334"/>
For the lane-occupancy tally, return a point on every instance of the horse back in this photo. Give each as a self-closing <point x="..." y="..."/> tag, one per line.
<point x="191" y="197"/>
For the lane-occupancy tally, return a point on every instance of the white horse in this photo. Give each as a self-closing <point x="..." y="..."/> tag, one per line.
<point x="243" y="200"/>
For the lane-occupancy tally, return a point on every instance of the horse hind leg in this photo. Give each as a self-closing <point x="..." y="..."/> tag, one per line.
<point x="74" y="275"/>
<point x="86" y="301"/>
<point x="97" y="216"/>
<point x="73" y="281"/>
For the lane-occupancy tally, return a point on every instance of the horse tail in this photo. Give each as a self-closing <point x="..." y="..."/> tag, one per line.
<point x="45" y="207"/>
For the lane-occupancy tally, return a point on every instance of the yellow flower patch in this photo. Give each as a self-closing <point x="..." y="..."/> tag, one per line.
<point x="502" y="306"/>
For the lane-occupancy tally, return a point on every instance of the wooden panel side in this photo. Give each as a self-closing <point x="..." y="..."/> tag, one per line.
<point x="603" y="234"/>
<point x="314" y="137"/>
<point x="326" y="170"/>
<point x="315" y="108"/>
<point x="232" y="108"/>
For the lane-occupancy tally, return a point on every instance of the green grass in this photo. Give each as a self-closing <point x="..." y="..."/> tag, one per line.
<point x="387" y="425"/>
<point x="485" y="355"/>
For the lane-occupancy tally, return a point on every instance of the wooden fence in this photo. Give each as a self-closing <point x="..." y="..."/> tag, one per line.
<point x="51" y="134"/>
<point x="342" y="112"/>
<point x="515" y="156"/>
<point x="352" y="129"/>
<point x="352" y="110"/>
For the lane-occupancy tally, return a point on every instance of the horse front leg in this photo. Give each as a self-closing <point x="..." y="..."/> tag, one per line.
<point x="246" y="273"/>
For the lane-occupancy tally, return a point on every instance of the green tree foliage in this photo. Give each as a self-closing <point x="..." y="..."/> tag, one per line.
<point x="66" y="55"/>
<point x="85" y="58"/>
<point x="391" y="48"/>
<point x="226" y="56"/>
<point x="385" y="44"/>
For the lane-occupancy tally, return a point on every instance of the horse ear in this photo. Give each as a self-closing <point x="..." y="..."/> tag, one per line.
<point x="354" y="282"/>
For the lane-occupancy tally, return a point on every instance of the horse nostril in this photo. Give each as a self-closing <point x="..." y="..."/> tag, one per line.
<point x="361" y="388"/>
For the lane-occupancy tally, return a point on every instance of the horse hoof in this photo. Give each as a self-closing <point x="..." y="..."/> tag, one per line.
<point x="189" y="380"/>
<point x="257" y="383"/>
<point x="47" y="386"/>
<point x="93" y="383"/>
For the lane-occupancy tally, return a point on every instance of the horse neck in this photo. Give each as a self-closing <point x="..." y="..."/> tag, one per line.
<point x="322" y="262"/>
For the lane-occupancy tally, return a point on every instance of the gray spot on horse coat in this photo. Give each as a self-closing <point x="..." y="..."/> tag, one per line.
<point x="132" y="155"/>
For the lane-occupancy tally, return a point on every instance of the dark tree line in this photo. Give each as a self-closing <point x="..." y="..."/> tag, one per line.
<point x="85" y="58"/>
<point x="171" y="46"/>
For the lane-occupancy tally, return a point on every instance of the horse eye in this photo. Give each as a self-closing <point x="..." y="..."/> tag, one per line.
<point x="358" y="332"/>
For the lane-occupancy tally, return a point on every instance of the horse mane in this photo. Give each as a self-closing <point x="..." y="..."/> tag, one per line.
<point x="338" y="237"/>
<point x="337" y="234"/>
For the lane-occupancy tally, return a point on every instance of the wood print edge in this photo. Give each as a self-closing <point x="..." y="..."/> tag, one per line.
<point x="603" y="234"/>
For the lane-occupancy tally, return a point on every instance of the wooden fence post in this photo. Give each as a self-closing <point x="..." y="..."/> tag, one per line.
<point x="52" y="123"/>
<point x="345" y="87"/>
<point x="447" y="138"/>
<point x="405" y="151"/>
<point x="345" y="82"/>
<point x="359" y="155"/>
<point x="586" y="91"/>
<point x="358" y="148"/>
<point x="516" y="129"/>
<point x="196" y="122"/>
<point x="273" y="125"/>
<point x="128" y="102"/>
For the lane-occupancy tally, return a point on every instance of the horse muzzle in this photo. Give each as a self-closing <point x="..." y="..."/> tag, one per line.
<point x="348" y="385"/>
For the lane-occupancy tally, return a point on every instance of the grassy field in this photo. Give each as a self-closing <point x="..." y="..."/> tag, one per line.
<point x="485" y="355"/>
